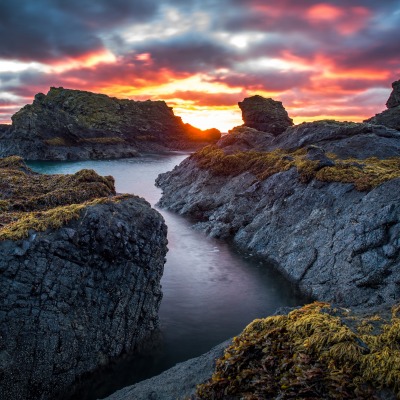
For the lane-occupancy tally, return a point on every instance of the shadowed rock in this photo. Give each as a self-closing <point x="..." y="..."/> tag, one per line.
<point x="391" y="116"/>
<point x="72" y="124"/>
<point x="75" y="296"/>
<point x="265" y="115"/>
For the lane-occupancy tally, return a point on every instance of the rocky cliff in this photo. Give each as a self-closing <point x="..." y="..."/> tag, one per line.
<point x="320" y="201"/>
<point x="80" y="272"/>
<point x="71" y="124"/>
<point x="391" y="116"/>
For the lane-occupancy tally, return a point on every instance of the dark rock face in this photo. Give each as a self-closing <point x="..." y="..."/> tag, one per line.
<point x="72" y="124"/>
<point x="394" y="98"/>
<point x="265" y="115"/>
<point x="391" y="116"/>
<point x="76" y="297"/>
<point x="339" y="244"/>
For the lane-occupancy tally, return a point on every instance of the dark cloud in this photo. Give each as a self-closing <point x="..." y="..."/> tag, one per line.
<point x="48" y="30"/>
<point x="272" y="81"/>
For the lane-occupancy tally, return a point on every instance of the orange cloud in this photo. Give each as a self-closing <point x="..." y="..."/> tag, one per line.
<point x="347" y="20"/>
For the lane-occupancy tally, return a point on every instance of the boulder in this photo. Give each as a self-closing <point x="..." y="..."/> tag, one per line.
<point x="79" y="283"/>
<point x="391" y="116"/>
<point x="265" y="115"/>
<point x="72" y="124"/>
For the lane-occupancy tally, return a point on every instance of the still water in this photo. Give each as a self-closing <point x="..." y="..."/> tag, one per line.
<point x="211" y="291"/>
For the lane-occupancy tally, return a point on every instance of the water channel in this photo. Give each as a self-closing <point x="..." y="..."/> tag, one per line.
<point x="211" y="291"/>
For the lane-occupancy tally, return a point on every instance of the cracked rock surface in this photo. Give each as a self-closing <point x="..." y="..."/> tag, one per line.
<point x="77" y="297"/>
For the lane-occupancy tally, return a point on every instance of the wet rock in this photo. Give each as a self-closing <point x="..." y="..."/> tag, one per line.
<point x="178" y="383"/>
<point x="265" y="115"/>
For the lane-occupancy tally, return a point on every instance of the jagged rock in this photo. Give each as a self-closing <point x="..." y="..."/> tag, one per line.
<point x="73" y="124"/>
<point x="394" y="98"/>
<point x="391" y="116"/>
<point x="74" y="298"/>
<point x="337" y="242"/>
<point x="265" y="115"/>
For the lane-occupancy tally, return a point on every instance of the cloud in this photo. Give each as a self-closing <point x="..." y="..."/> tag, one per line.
<point x="312" y="55"/>
<point x="47" y="30"/>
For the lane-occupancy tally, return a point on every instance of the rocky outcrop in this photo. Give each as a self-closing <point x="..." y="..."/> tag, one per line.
<point x="265" y="115"/>
<point x="345" y="139"/>
<point x="391" y="116"/>
<point x="80" y="283"/>
<point x="71" y="124"/>
<point x="320" y="201"/>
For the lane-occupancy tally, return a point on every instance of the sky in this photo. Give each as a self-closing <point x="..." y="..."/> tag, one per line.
<point x="332" y="59"/>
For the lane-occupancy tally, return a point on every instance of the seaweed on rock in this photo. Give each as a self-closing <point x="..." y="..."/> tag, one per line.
<point x="310" y="353"/>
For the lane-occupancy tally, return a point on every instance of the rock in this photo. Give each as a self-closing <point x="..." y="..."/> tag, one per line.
<point x="243" y="138"/>
<point x="394" y="98"/>
<point x="176" y="383"/>
<point x="75" y="296"/>
<point x="391" y="116"/>
<point x="329" y="224"/>
<point x="265" y="115"/>
<point x="71" y="124"/>
<point x="345" y="139"/>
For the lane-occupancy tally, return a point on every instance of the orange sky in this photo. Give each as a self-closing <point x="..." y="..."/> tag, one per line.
<point x="321" y="59"/>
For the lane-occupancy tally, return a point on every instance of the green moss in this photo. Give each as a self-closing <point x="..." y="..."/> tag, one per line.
<point x="33" y="201"/>
<point x="364" y="174"/>
<point x="309" y="353"/>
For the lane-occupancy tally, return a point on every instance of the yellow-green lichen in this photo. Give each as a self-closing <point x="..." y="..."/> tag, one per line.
<point x="364" y="174"/>
<point x="42" y="220"/>
<point x="29" y="200"/>
<point x="309" y="353"/>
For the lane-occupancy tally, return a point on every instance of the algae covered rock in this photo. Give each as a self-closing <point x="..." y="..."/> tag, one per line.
<point x="314" y="352"/>
<point x="266" y="115"/>
<point x="80" y="272"/>
<point x="72" y="124"/>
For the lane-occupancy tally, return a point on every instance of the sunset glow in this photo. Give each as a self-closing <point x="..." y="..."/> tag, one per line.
<point x="321" y="59"/>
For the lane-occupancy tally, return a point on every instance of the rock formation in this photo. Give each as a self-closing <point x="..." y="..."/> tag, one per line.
<point x="391" y="116"/>
<point x="265" y="115"/>
<point x="320" y="201"/>
<point x="71" y="124"/>
<point x="79" y="283"/>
